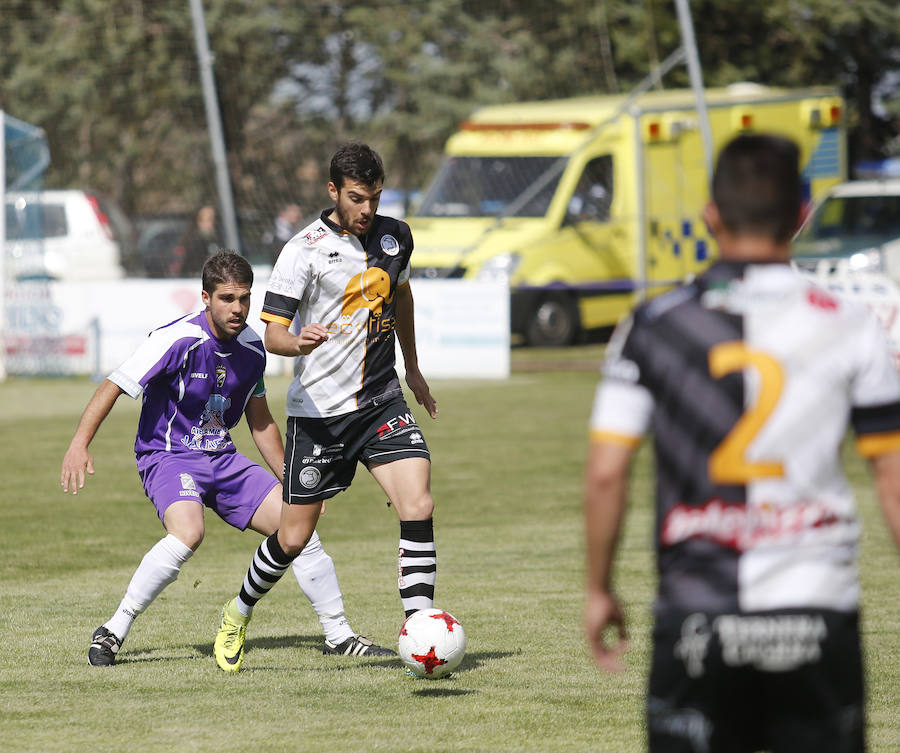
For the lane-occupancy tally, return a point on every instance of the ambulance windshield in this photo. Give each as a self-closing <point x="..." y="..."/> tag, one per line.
<point x="490" y="186"/>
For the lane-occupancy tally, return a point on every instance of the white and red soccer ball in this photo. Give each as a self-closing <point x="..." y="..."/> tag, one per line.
<point x="432" y="643"/>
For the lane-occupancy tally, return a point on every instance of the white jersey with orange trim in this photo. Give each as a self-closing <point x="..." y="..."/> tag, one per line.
<point x="347" y="284"/>
<point x="749" y="378"/>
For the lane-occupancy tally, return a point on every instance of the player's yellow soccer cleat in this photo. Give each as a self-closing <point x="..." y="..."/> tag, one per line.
<point x="229" y="645"/>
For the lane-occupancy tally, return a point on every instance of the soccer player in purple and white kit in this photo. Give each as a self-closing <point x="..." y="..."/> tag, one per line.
<point x="199" y="375"/>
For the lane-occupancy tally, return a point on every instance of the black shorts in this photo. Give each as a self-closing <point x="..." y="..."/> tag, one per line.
<point x="321" y="454"/>
<point x="787" y="681"/>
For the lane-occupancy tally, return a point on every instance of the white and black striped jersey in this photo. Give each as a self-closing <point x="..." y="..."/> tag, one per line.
<point x="749" y="378"/>
<point x="347" y="284"/>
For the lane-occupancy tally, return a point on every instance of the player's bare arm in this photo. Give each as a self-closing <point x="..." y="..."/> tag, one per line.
<point x="266" y="434"/>
<point x="887" y="482"/>
<point x="605" y="498"/>
<point x="282" y="342"/>
<point x="406" y="334"/>
<point x="78" y="461"/>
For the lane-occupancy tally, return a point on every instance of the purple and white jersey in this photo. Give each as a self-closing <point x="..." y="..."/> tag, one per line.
<point x="195" y="386"/>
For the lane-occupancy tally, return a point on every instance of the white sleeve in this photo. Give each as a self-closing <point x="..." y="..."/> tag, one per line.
<point x="156" y="355"/>
<point x="292" y="269"/>
<point x="877" y="381"/>
<point x="623" y="407"/>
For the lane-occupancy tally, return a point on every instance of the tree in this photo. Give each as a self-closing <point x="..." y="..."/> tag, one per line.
<point x="115" y="83"/>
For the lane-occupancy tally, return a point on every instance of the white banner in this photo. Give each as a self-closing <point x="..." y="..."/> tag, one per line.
<point x="462" y="328"/>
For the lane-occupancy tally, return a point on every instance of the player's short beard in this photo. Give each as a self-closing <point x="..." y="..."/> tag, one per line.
<point x="342" y="220"/>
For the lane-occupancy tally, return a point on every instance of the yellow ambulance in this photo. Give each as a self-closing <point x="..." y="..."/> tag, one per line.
<point x="587" y="205"/>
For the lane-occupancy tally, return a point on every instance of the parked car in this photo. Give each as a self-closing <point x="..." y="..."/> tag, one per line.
<point x="159" y="236"/>
<point x="857" y="222"/>
<point x="62" y="235"/>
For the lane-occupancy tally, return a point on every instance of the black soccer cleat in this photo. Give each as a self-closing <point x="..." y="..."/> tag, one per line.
<point x="356" y="645"/>
<point x="104" y="647"/>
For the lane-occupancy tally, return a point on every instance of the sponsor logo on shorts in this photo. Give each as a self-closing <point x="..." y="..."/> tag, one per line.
<point x="771" y="643"/>
<point x="389" y="245"/>
<point x="402" y="423"/>
<point x="324" y="454"/>
<point x="310" y="476"/>
<point x="692" y="646"/>
<point x="415" y="438"/>
<point x="777" y="643"/>
<point x="188" y="487"/>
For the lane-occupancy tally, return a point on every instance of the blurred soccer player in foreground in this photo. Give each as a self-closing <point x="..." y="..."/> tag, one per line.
<point x="748" y="377"/>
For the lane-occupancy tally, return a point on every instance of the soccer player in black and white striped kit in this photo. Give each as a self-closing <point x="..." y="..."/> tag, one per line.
<point x="345" y="278"/>
<point x="749" y="378"/>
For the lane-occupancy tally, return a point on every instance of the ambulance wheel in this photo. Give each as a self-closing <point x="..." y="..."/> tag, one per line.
<point x="553" y="322"/>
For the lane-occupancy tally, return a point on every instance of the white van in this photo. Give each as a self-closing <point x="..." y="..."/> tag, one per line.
<point x="60" y="235"/>
<point x="856" y="224"/>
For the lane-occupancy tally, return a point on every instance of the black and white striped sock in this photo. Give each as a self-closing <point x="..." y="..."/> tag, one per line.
<point x="268" y="565"/>
<point x="417" y="565"/>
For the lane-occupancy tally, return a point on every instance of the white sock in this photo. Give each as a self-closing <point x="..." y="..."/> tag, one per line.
<point x="158" y="569"/>
<point x="314" y="570"/>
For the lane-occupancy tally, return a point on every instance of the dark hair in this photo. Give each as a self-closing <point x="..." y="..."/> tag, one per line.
<point x="757" y="186"/>
<point x="358" y="162"/>
<point x="226" y="266"/>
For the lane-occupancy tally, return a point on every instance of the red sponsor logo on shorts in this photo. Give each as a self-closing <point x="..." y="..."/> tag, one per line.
<point x="395" y="424"/>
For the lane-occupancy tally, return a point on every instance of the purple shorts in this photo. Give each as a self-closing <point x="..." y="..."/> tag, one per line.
<point x="226" y="482"/>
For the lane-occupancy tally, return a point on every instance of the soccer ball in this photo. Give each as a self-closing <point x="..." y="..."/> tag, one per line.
<point x="432" y="643"/>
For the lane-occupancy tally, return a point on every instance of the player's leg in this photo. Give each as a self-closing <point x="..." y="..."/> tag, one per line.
<point x="315" y="572"/>
<point x="407" y="483"/>
<point x="160" y="566"/>
<point x="316" y="468"/>
<point x="271" y="560"/>
<point x="313" y="569"/>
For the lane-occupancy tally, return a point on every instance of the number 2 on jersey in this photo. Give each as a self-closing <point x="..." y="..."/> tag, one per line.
<point x="728" y="463"/>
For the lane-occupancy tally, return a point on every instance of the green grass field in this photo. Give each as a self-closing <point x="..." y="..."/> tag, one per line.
<point x="507" y="481"/>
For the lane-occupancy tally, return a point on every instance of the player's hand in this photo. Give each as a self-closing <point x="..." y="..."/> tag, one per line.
<point x="76" y="463"/>
<point x="311" y="337"/>
<point x="420" y="389"/>
<point x="602" y="612"/>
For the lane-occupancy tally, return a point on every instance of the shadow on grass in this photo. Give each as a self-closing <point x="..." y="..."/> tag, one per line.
<point x="472" y="660"/>
<point x="304" y="642"/>
<point x="438" y="692"/>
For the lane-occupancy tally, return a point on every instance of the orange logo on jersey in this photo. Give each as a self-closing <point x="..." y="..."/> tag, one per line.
<point x="369" y="290"/>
